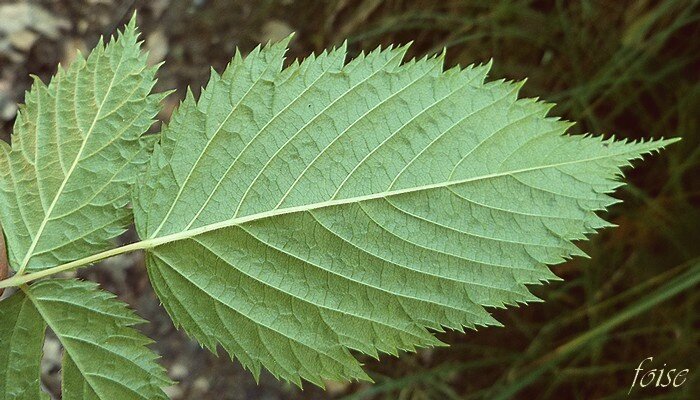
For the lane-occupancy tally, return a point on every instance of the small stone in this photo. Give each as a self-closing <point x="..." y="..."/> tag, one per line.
<point x="23" y="40"/>
<point x="201" y="384"/>
<point x="158" y="6"/>
<point x="335" y="387"/>
<point x="8" y="109"/>
<point x="173" y="392"/>
<point x="83" y="26"/>
<point x="52" y="354"/>
<point x="275" y="30"/>
<point x="18" y="16"/>
<point x="178" y="371"/>
<point x="71" y="47"/>
<point x="157" y="45"/>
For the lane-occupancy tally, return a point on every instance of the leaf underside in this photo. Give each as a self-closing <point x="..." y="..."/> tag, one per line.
<point x="76" y="148"/>
<point x="331" y="206"/>
<point x="22" y="331"/>
<point x="104" y="358"/>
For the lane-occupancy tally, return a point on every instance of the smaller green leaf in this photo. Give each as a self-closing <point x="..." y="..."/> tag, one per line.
<point x="77" y="145"/>
<point x="21" y="342"/>
<point x="104" y="357"/>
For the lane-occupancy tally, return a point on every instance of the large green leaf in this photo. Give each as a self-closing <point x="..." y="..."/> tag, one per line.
<point x="298" y="213"/>
<point x="76" y="147"/>
<point x="104" y="358"/>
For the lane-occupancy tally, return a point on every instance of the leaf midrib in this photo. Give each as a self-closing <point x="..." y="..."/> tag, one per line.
<point x="186" y="234"/>
<point x="159" y="241"/>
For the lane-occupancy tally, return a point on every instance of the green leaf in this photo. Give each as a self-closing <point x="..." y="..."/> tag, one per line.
<point x="302" y="212"/>
<point x="76" y="148"/>
<point x="104" y="358"/>
<point x="21" y="343"/>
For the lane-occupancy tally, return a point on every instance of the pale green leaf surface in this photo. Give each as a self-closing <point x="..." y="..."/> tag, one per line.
<point x="104" y="357"/>
<point x="76" y="147"/>
<point x="21" y="343"/>
<point x="302" y="212"/>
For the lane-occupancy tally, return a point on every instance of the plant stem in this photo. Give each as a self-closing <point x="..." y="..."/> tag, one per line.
<point x="24" y="278"/>
<point x="4" y="267"/>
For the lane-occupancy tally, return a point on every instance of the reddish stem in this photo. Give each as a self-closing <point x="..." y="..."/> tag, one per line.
<point x="4" y="269"/>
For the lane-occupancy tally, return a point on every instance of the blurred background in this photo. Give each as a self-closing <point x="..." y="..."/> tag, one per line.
<point x="629" y="68"/>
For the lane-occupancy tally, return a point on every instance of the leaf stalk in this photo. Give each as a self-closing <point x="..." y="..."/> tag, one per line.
<point x="20" y="279"/>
